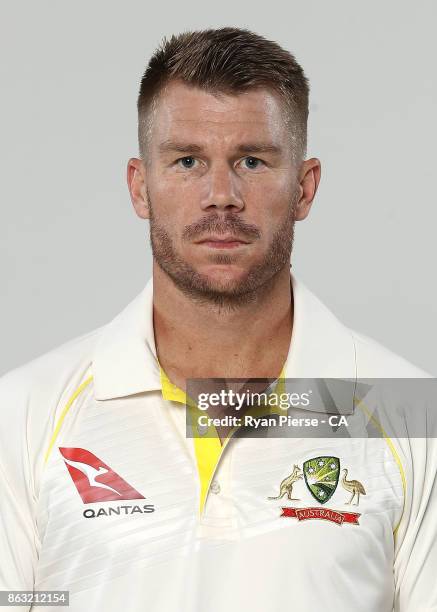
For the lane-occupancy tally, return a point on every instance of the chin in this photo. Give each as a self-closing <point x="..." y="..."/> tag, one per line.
<point x="223" y="274"/>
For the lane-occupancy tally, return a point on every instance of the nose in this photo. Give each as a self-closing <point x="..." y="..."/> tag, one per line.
<point x="221" y="190"/>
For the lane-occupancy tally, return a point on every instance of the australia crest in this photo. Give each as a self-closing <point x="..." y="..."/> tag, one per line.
<point x="321" y="477"/>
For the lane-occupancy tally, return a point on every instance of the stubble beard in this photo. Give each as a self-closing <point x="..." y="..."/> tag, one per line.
<point x="202" y="289"/>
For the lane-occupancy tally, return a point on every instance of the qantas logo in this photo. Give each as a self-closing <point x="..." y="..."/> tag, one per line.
<point x="94" y="480"/>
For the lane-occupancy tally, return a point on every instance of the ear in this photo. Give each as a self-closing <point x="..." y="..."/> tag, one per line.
<point x="309" y="178"/>
<point x="137" y="184"/>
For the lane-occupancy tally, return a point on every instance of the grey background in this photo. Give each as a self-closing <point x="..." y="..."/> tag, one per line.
<point x="72" y="251"/>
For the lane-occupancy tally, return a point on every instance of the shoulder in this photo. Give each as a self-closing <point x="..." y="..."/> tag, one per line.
<point x="374" y="360"/>
<point x="49" y="375"/>
<point x="32" y="397"/>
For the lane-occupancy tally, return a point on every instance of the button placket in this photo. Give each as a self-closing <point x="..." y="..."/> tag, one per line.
<point x="218" y="511"/>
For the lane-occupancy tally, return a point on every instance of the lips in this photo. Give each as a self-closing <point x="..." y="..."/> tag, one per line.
<point x="222" y="242"/>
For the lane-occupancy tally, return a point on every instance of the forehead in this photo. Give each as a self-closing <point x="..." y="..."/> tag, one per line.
<point x="186" y="112"/>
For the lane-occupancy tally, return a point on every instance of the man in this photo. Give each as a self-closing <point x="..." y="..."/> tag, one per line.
<point x="103" y="492"/>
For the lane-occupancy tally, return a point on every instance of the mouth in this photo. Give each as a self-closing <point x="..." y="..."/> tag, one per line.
<point x="222" y="242"/>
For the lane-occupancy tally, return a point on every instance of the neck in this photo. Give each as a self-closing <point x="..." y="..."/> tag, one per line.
<point x="202" y="340"/>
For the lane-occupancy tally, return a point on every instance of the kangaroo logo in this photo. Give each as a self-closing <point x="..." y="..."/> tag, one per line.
<point x="286" y="486"/>
<point x="94" y="480"/>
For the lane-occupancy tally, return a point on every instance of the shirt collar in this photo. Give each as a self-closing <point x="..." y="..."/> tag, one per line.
<point x="125" y="361"/>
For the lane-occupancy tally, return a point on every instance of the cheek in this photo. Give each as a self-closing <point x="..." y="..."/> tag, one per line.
<point x="168" y="203"/>
<point x="173" y="192"/>
<point x="269" y="200"/>
<point x="172" y="210"/>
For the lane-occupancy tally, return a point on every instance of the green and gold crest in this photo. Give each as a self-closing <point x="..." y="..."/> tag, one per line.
<point x="321" y="477"/>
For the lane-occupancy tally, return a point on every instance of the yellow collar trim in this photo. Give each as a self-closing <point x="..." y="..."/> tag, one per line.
<point x="209" y="449"/>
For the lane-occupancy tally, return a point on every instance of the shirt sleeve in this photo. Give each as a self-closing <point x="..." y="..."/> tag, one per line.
<point x="18" y="532"/>
<point x="415" y="566"/>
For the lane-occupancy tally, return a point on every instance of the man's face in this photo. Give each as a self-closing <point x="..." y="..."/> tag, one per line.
<point x="221" y="187"/>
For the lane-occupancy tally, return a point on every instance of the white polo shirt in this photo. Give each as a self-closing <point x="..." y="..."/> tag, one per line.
<point x="103" y="495"/>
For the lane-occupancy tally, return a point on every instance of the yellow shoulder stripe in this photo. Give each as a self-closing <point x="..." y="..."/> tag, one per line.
<point x="63" y="415"/>
<point x="394" y="452"/>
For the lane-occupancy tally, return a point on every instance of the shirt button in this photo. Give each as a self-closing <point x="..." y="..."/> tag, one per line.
<point x="215" y="487"/>
<point x="202" y="429"/>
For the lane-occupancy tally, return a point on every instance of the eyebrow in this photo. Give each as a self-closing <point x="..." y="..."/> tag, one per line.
<point x="184" y="147"/>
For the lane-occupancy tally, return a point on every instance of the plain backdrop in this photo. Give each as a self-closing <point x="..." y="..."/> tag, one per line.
<point x="72" y="251"/>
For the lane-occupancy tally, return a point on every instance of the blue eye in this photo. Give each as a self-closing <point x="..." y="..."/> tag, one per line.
<point x="187" y="162"/>
<point x="252" y="162"/>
